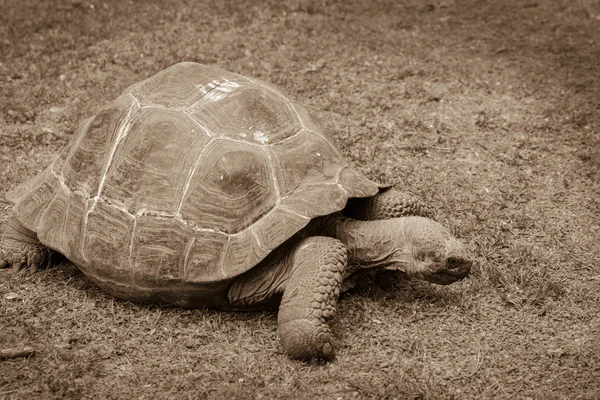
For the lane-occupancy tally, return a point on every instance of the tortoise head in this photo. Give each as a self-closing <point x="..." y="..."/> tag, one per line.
<point x="429" y="251"/>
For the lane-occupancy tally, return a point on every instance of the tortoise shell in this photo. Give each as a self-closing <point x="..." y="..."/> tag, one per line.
<point x="191" y="176"/>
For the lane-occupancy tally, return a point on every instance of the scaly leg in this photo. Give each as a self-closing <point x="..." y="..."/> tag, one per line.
<point x="389" y="203"/>
<point x="310" y="297"/>
<point x="20" y="248"/>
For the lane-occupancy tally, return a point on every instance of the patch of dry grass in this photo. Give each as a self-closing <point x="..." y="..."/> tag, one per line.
<point x="489" y="110"/>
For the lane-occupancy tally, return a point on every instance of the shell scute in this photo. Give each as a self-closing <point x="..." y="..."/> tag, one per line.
<point x="74" y="228"/>
<point x="182" y="84"/>
<point x="94" y="143"/>
<point x="58" y="164"/>
<point x="305" y="119"/>
<point x="249" y="113"/>
<point x="232" y="187"/>
<point x="242" y="252"/>
<point x="52" y="223"/>
<point x="150" y="167"/>
<point x="356" y="184"/>
<point x="158" y="250"/>
<point x="203" y="259"/>
<point x="305" y="160"/>
<point x="276" y="226"/>
<point x="107" y="238"/>
<point x="33" y="197"/>
<point x="317" y="200"/>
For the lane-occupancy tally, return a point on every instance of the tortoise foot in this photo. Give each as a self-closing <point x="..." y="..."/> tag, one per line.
<point x="309" y="300"/>
<point x="307" y="339"/>
<point x="20" y="248"/>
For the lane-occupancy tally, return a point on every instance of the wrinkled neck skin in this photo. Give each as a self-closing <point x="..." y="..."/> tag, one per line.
<point x="417" y="246"/>
<point x="370" y="244"/>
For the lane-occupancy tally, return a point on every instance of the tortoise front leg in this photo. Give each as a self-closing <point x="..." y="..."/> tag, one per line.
<point x="20" y="248"/>
<point x="310" y="297"/>
<point x="388" y="203"/>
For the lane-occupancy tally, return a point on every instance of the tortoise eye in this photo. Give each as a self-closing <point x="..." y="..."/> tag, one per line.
<point x="428" y="256"/>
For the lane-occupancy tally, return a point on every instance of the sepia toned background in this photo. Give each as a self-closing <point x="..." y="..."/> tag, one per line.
<point x="488" y="110"/>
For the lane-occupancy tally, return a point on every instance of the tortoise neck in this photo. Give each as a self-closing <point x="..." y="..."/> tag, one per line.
<point x="369" y="243"/>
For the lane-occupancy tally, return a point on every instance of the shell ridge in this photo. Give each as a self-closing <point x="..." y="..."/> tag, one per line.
<point x="188" y="249"/>
<point x="337" y="178"/>
<point x="195" y="120"/>
<point x="285" y="98"/>
<point x="291" y="211"/>
<point x="86" y="215"/>
<point x="222" y="83"/>
<point x="207" y="230"/>
<point x="273" y="175"/>
<point x="63" y="223"/>
<point x="67" y="211"/>
<point x="130" y="257"/>
<point x="190" y="176"/>
<point x="309" y="130"/>
<point x="74" y="145"/>
<point x="123" y="130"/>
<point x="91" y="203"/>
<point x="326" y="139"/>
<point x="270" y="89"/>
<point x="221" y="261"/>
<point x="49" y="202"/>
<point x="302" y="122"/>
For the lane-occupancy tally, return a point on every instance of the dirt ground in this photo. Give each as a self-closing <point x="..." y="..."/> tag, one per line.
<point x="489" y="110"/>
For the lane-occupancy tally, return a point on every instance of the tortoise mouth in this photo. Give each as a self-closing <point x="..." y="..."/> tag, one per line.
<point x="454" y="269"/>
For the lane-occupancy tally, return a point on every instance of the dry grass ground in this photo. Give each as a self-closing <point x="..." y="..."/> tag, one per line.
<point x="490" y="110"/>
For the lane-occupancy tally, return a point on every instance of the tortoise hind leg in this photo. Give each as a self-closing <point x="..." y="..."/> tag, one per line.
<point x="20" y="248"/>
<point x="310" y="297"/>
<point x="388" y="203"/>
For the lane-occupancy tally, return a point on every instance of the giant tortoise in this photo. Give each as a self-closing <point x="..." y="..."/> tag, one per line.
<point x="199" y="187"/>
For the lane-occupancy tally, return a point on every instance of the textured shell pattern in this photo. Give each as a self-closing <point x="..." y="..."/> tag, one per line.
<point x="193" y="175"/>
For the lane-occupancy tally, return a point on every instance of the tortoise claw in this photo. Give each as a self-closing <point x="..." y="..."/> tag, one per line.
<point x="34" y="268"/>
<point x="16" y="267"/>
